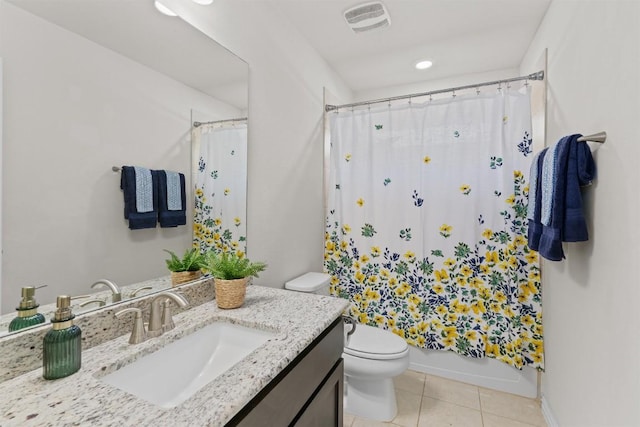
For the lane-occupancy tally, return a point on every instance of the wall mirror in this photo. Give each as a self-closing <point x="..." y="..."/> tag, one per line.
<point x="89" y="85"/>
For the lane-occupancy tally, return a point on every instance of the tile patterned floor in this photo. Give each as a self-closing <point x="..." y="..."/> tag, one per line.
<point x="430" y="401"/>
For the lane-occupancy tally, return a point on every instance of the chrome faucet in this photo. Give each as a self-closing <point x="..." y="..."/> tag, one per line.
<point x="134" y="293"/>
<point x="117" y="295"/>
<point x="160" y="322"/>
<point x="138" y="334"/>
<point x="100" y="302"/>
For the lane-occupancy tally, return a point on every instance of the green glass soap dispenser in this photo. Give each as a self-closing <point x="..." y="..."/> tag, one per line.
<point x="27" y="311"/>
<point x="62" y="344"/>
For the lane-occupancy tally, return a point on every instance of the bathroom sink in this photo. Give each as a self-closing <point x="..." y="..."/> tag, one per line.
<point x="175" y="372"/>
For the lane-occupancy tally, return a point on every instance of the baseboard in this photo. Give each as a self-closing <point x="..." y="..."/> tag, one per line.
<point x="547" y="413"/>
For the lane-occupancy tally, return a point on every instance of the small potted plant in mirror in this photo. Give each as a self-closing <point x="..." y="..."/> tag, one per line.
<point x="231" y="273"/>
<point x="187" y="268"/>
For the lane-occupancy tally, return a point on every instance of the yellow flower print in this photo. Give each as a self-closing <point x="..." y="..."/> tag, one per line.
<point x="465" y="270"/>
<point x="410" y="256"/>
<point x="373" y="279"/>
<point x="441" y="310"/>
<point x="526" y="189"/>
<point x="478" y="307"/>
<point x="334" y="280"/>
<point x="378" y="319"/>
<point x="426" y="159"/>
<point x="330" y="246"/>
<point x="393" y="282"/>
<point x="500" y="297"/>
<point x="217" y="221"/>
<point x="413" y="330"/>
<point x="485" y="269"/>
<point x="475" y="282"/>
<point x="534" y="275"/>
<point x="199" y="192"/>
<point x="237" y="221"/>
<point x="487" y="233"/>
<point x="364" y="258"/>
<point x="347" y="157"/>
<point x="363" y="318"/>
<point x="421" y="341"/>
<point x="484" y="293"/>
<point x="519" y="240"/>
<point x="356" y="265"/>
<point x="414" y="299"/>
<point x="360" y="276"/>
<point x="492" y="257"/>
<point x="346" y="229"/>
<point x="452" y="317"/>
<point x="234" y="245"/>
<point x="445" y="230"/>
<point x="470" y="335"/>
<point x="461" y="281"/>
<point x="375" y="251"/>
<point x="527" y="320"/>
<point x="216" y="236"/>
<point x="384" y="273"/>
<point x="513" y="262"/>
<point x="449" y="262"/>
<point x="240" y="254"/>
<point x="517" y="174"/>
<point x="537" y="358"/>
<point x="391" y="323"/>
<point x="344" y="245"/>
<point x="494" y="306"/>
<point x="441" y="275"/>
<point x="465" y="189"/>
<point x="448" y="342"/>
<point x="437" y="288"/>
<point x="357" y="298"/>
<point x="531" y="257"/>
<point x="423" y="327"/>
<point x="370" y="294"/>
<point x="227" y="191"/>
<point x="462" y="309"/>
<point x="511" y="199"/>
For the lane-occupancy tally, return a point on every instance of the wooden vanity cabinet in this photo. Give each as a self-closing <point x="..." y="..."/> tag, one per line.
<point x="307" y="393"/>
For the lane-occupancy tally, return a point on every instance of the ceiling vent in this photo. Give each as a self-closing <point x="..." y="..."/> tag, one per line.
<point x="367" y="17"/>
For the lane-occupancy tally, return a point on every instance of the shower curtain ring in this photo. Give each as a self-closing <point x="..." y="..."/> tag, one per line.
<point x="453" y="93"/>
<point x="478" y="91"/>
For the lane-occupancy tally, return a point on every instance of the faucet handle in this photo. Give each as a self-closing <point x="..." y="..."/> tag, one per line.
<point x="138" y="334"/>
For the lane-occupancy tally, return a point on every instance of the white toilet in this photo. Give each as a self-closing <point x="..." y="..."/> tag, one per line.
<point x="372" y="357"/>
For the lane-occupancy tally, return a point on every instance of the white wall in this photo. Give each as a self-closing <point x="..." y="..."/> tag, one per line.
<point x="72" y="110"/>
<point x="285" y="204"/>
<point x="592" y="344"/>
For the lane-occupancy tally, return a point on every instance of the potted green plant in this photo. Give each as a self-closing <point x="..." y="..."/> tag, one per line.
<point x="187" y="268"/>
<point x="231" y="273"/>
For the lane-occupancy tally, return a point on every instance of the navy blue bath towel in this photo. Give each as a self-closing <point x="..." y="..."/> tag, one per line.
<point x="137" y="220"/>
<point x="167" y="217"/>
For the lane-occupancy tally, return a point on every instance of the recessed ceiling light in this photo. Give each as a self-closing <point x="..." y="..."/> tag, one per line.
<point x="163" y="9"/>
<point x="203" y="2"/>
<point x="423" y="65"/>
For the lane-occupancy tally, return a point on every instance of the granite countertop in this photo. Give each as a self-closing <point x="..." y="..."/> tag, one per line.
<point x="83" y="399"/>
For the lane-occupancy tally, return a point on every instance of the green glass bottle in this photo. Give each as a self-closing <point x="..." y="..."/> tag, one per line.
<point x="27" y="311"/>
<point x="62" y="345"/>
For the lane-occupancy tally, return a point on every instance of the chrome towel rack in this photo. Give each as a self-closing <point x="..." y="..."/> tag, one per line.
<point x="600" y="137"/>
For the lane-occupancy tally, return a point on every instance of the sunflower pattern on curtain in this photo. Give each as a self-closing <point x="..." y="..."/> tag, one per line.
<point x="220" y="179"/>
<point x="426" y="224"/>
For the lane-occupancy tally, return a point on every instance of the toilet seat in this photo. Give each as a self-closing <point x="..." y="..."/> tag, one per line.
<point x="372" y="343"/>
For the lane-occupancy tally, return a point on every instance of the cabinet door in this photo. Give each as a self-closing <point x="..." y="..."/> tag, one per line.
<point x="325" y="407"/>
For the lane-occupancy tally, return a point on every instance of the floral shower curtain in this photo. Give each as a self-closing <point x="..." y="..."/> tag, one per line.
<point x="220" y="178"/>
<point x="426" y="224"/>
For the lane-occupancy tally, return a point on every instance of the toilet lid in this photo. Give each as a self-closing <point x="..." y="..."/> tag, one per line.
<point x="374" y="343"/>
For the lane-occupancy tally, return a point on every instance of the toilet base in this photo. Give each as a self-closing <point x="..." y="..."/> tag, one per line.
<point x="373" y="399"/>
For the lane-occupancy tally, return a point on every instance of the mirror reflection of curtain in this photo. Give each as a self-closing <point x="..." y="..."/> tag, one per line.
<point x="220" y="179"/>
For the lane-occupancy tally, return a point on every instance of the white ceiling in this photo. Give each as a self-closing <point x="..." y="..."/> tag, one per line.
<point x="459" y="36"/>
<point x="135" y="29"/>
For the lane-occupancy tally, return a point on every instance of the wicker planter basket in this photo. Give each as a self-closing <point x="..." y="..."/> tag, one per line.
<point x="179" y="277"/>
<point x="230" y="293"/>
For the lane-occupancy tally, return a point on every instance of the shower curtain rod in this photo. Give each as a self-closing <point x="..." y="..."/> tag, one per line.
<point x="197" y="124"/>
<point x="534" y="76"/>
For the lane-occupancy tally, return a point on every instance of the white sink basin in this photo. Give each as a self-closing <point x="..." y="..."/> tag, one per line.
<point x="172" y="374"/>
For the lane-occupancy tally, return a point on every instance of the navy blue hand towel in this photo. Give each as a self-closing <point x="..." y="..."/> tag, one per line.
<point x="137" y="220"/>
<point x="535" y="200"/>
<point x="574" y="167"/>
<point x="169" y="218"/>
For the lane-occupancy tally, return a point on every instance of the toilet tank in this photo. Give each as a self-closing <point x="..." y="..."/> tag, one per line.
<point x="316" y="283"/>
